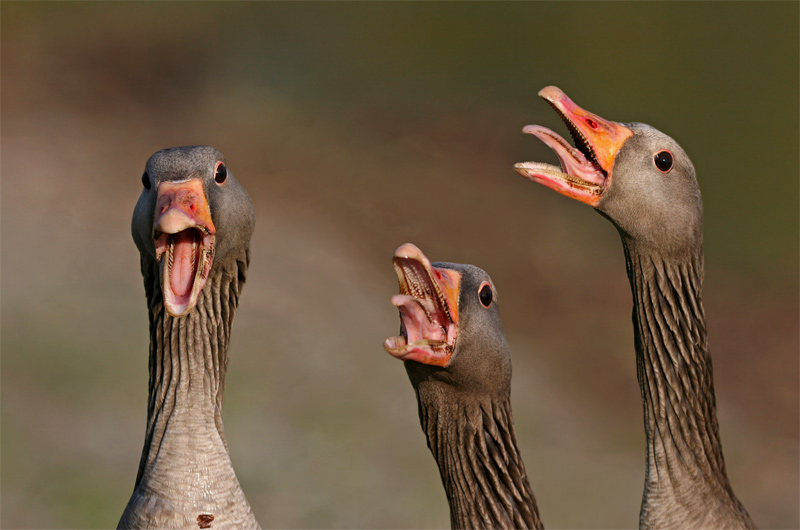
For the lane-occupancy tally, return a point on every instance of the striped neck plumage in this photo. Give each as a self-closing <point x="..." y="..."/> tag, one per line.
<point x="187" y="362"/>
<point x="474" y="445"/>
<point x="685" y="466"/>
<point x="185" y="474"/>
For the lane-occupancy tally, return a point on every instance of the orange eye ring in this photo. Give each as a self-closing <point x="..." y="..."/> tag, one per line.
<point x="663" y="160"/>
<point x="485" y="294"/>
<point x="220" y="173"/>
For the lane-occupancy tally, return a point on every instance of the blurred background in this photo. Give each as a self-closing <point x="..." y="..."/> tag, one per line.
<point x="356" y="127"/>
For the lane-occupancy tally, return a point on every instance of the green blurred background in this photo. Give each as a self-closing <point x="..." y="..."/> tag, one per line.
<point x="357" y="127"/>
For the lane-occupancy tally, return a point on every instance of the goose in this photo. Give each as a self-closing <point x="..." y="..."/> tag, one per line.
<point x="192" y="227"/>
<point x="644" y="183"/>
<point x="457" y="358"/>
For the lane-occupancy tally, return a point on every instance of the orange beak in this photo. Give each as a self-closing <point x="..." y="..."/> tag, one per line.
<point x="585" y="171"/>
<point x="184" y="241"/>
<point x="428" y="304"/>
<point x="605" y="137"/>
<point x="182" y="205"/>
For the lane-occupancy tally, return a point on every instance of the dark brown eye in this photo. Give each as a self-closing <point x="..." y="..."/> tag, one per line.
<point x="485" y="294"/>
<point x="663" y="161"/>
<point x="146" y="180"/>
<point x="220" y="173"/>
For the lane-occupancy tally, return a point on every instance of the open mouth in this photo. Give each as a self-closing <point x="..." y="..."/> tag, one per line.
<point x="428" y="304"/>
<point x="184" y="259"/>
<point x="585" y="171"/>
<point x="184" y="241"/>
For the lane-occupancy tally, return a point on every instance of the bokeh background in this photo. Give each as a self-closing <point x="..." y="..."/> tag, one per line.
<point x="357" y="127"/>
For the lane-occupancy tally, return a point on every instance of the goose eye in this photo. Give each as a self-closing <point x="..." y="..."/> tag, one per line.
<point x="663" y="161"/>
<point x="220" y="173"/>
<point x="146" y="180"/>
<point x="485" y="294"/>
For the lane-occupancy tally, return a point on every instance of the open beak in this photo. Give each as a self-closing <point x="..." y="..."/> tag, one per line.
<point x="184" y="238"/>
<point x="428" y="304"/>
<point x="585" y="171"/>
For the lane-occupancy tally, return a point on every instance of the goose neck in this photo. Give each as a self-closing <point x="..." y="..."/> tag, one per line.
<point x="185" y="456"/>
<point x="685" y="465"/>
<point x="474" y="445"/>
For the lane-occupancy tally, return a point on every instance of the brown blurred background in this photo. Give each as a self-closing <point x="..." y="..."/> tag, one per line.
<point x="357" y="127"/>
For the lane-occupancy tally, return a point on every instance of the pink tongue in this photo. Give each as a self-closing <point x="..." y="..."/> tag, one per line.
<point x="183" y="262"/>
<point x="415" y="319"/>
